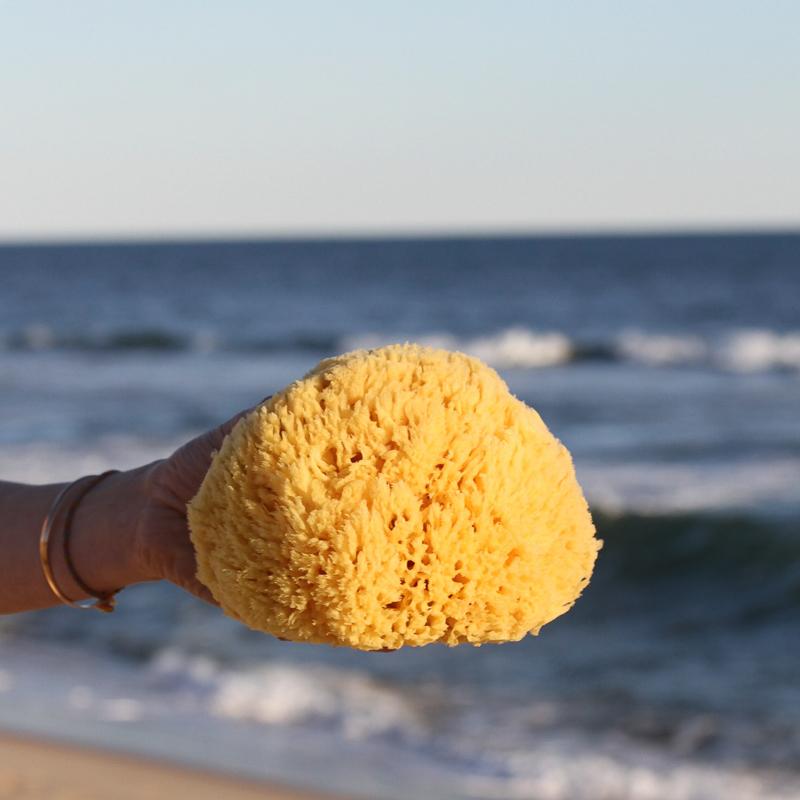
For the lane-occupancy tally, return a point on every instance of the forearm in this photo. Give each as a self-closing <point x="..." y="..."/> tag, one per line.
<point x="103" y="541"/>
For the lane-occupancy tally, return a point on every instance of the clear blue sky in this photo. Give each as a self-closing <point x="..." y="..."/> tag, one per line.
<point x="212" y="118"/>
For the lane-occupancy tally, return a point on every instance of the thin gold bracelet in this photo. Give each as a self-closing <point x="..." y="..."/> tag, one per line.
<point x="104" y="601"/>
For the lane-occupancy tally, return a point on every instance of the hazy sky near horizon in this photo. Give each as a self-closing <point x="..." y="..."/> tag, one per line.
<point x="195" y="118"/>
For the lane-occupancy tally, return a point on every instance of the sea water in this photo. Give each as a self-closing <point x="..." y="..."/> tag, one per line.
<point x="670" y="366"/>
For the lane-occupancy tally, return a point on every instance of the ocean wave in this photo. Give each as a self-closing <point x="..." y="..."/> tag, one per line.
<point x="514" y="347"/>
<point x="36" y="338"/>
<point x="652" y="486"/>
<point x="757" y="350"/>
<point x="642" y="545"/>
<point x="660" y="349"/>
<point x="278" y="693"/>
<point x="348" y="732"/>
<point x="747" y="350"/>
<point x="51" y="462"/>
<point x="739" y="351"/>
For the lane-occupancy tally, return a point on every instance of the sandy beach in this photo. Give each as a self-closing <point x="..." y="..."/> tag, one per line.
<point x="31" y="769"/>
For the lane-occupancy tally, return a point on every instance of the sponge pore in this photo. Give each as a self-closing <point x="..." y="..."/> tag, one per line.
<point x="397" y="496"/>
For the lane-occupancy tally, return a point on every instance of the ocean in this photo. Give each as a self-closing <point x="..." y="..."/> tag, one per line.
<point x="669" y="365"/>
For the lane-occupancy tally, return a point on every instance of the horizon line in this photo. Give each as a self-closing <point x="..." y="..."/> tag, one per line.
<point x="323" y="235"/>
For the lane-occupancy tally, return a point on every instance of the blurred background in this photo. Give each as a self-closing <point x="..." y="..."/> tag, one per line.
<point x="602" y="201"/>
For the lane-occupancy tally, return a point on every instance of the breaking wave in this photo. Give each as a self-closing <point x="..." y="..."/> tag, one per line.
<point x="740" y="351"/>
<point x="746" y="350"/>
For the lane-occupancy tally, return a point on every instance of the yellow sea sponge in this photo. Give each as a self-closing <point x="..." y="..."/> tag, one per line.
<point x="397" y="496"/>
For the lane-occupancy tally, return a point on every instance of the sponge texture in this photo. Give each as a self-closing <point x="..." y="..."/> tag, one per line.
<point x="397" y="496"/>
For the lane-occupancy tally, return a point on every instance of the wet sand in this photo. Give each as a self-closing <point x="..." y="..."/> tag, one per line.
<point x="32" y="769"/>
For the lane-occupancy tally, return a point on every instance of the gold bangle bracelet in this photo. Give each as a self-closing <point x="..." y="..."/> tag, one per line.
<point x="103" y="601"/>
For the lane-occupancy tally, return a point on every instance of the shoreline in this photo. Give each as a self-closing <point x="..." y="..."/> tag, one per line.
<point x="33" y="768"/>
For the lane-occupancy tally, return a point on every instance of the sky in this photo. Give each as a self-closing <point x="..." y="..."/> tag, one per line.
<point x="180" y="119"/>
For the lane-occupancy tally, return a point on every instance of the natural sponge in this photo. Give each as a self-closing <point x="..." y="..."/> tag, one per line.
<point x="393" y="496"/>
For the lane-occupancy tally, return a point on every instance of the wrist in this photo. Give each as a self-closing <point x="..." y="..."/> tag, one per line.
<point x="105" y="533"/>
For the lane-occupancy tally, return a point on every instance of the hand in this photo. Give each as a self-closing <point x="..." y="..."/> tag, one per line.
<point x="164" y="549"/>
<point x="129" y="528"/>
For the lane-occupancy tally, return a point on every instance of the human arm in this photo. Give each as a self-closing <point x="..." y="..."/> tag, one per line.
<point x="128" y="529"/>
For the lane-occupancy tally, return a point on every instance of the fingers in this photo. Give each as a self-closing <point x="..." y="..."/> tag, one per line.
<point x="217" y="435"/>
<point x="179" y="480"/>
<point x="182" y="571"/>
<point x="198" y="590"/>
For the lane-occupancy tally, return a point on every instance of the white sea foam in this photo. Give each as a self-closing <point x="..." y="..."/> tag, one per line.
<point x="740" y="351"/>
<point x="758" y="350"/>
<point x="283" y="694"/>
<point x="51" y="462"/>
<point x="344" y="731"/>
<point x="661" y="349"/>
<point x="653" y="487"/>
<point x="510" y="348"/>
<point x="38" y="337"/>
<point x="569" y="767"/>
<point x="518" y="347"/>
